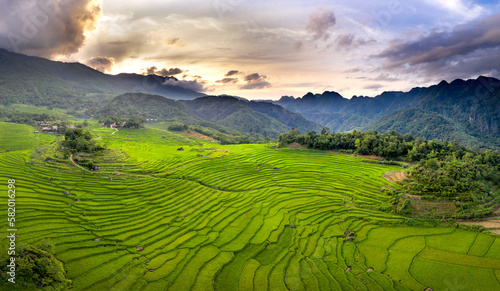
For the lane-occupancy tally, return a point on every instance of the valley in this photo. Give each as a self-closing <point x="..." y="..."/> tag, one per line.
<point x="230" y="217"/>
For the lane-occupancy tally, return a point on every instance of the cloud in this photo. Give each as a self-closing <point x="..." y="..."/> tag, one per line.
<point x="228" y="81"/>
<point x="352" y="70"/>
<point x="384" y="77"/>
<point x="319" y="22"/>
<point x="453" y="52"/>
<point x="103" y="64"/>
<point x="191" y="85"/>
<point x="345" y="41"/>
<point x="163" y="72"/>
<point x="255" y="81"/>
<point x="298" y="45"/>
<point x="232" y="73"/>
<point x="173" y="41"/>
<point x="373" y="87"/>
<point x="47" y="28"/>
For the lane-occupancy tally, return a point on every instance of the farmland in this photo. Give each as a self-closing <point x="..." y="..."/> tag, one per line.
<point x="229" y="217"/>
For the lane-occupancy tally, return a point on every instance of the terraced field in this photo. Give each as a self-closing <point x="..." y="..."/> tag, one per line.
<point x="243" y="217"/>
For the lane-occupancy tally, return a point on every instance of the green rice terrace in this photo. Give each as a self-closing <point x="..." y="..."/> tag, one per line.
<point x="169" y="212"/>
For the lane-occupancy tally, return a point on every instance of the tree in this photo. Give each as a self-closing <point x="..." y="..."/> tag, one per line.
<point x="134" y="122"/>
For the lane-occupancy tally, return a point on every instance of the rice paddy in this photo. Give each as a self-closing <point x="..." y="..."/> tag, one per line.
<point x="239" y="217"/>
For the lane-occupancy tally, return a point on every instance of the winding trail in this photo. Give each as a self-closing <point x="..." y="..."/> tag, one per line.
<point x="71" y="159"/>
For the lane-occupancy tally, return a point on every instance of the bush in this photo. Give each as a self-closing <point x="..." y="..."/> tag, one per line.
<point x="178" y="127"/>
<point x="36" y="266"/>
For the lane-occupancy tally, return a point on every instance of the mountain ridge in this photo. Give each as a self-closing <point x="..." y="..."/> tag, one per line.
<point x="262" y="118"/>
<point x="472" y="105"/>
<point x="42" y="82"/>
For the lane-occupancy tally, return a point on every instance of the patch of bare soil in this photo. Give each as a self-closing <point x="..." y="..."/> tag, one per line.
<point x="393" y="176"/>
<point x="412" y="197"/>
<point x="196" y="135"/>
<point x="491" y="223"/>
<point x="370" y="157"/>
<point x="295" y="145"/>
<point x="421" y="208"/>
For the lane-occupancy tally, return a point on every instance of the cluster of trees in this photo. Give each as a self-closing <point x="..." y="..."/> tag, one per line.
<point x="36" y="266"/>
<point x="79" y="140"/>
<point x="471" y="180"/>
<point x="23" y="117"/>
<point x="444" y="170"/>
<point x="392" y="145"/>
<point x="120" y="121"/>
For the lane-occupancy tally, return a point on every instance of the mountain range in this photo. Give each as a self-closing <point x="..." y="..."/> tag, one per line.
<point x="38" y="81"/>
<point x="464" y="110"/>
<point x="262" y="118"/>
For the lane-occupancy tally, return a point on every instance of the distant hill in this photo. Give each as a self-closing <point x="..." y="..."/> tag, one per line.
<point x="467" y="111"/>
<point x="38" y="81"/>
<point x="241" y="115"/>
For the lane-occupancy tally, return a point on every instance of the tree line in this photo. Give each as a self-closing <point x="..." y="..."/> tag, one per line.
<point x="443" y="170"/>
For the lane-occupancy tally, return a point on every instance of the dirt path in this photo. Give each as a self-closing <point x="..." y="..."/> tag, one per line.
<point x="71" y="159"/>
<point x="392" y="176"/>
<point x="492" y="224"/>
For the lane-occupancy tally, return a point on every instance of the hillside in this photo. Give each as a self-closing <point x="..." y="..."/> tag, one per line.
<point x="41" y="82"/>
<point x="467" y="111"/>
<point x="235" y="114"/>
<point x="229" y="217"/>
<point x="429" y="125"/>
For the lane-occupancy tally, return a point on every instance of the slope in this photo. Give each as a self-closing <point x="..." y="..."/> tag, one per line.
<point x="469" y="111"/>
<point x="38" y="81"/>
<point x="235" y="114"/>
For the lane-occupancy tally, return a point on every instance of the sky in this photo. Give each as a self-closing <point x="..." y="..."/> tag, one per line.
<point x="261" y="49"/>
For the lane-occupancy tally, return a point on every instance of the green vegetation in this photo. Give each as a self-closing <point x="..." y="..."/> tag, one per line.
<point x="224" y="217"/>
<point x="464" y="111"/>
<point x="217" y="116"/>
<point x="40" y="82"/>
<point x="470" y="178"/>
<point x="36" y="266"/>
<point x="78" y="140"/>
<point x="471" y="182"/>
<point x="15" y="137"/>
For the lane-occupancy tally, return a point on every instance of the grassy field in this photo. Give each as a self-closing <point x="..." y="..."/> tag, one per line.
<point x="242" y="217"/>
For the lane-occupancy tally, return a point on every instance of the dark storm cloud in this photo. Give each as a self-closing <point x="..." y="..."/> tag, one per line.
<point x="103" y="64"/>
<point x="47" y="27"/>
<point x="255" y="81"/>
<point x="232" y="73"/>
<point x="319" y="22"/>
<point x="163" y="72"/>
<point x="466" y="48"/>
<point x="228" y="81"/>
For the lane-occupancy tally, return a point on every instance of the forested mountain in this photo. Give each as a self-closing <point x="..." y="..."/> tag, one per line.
<point x="467" y="111"/>
<point x="38" y="81"/>
<point x="246" y="116"/>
